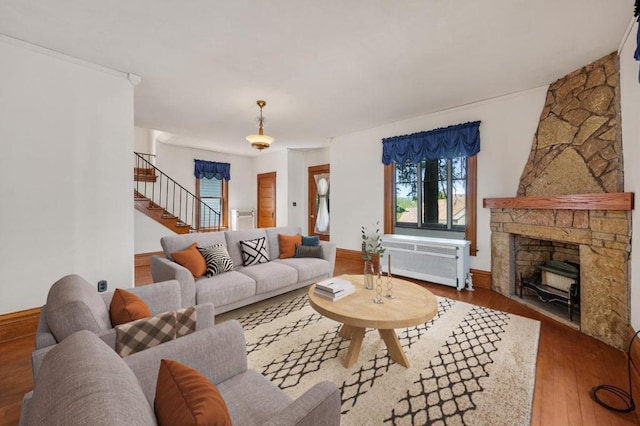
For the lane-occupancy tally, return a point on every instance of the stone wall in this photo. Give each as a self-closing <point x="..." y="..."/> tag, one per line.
<point x="603" y="239"/>
<point x="577" y="148"/>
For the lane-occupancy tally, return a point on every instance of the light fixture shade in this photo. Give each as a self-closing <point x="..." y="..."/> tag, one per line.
<point x="260" y="141"/>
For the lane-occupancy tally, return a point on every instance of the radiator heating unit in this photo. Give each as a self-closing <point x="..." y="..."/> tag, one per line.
<point x="243" y="219"/>
<point x="437" y="260"/>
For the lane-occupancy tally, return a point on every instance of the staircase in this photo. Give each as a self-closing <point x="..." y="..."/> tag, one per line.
<point x="167" y="202"/>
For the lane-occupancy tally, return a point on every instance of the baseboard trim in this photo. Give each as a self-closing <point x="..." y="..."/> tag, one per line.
<point x="19" y="324"/>
<point x="144" y="259"/>
<point x="350" y="255"/>
<point x="481" y="279"/>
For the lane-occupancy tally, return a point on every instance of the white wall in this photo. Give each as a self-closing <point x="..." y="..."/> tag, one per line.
<point x="357" y="174"/>
<point x="67" y="136"/>
<point x="142" y="140"/>
<point x="147" y="233"/>
<point x="177" y="162"/>
<point x="630" y="103"/>
<point x="297" y="191"/>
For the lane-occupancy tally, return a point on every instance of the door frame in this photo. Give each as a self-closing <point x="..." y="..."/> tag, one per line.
<point x="312" y="199"/>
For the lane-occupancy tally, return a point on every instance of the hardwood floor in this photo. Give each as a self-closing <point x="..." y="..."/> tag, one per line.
<point x="569" y="364"/>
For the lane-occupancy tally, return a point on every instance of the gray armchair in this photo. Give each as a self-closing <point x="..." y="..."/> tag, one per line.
<point x="73" y="305"/>
<point x="81" y="382"/>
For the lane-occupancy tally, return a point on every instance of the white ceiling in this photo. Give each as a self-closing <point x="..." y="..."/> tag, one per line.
<point x="325" y="68"/>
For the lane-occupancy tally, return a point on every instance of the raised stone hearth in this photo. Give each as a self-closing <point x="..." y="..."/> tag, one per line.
<point x="570" y="193"/>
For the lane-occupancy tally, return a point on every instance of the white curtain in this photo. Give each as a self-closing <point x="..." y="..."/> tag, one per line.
<point x="322" y="217"/>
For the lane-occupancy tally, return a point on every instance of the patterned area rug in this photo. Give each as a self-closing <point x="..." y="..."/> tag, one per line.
<point x="469" y="365"/>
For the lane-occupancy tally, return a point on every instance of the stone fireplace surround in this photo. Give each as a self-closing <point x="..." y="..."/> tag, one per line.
<point x="600" y="224"/>
<point x="571" y="191"/>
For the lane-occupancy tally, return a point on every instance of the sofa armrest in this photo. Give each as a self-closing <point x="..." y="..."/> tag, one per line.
<point x="163" y="269"/>
<point x="219" y="353"/>
<point x="44" y="337"/>
<point x="329" y="254"/>
<point x="25" y="407"/>
<point x="320" y="405"/>
<point x="205" y="313"/>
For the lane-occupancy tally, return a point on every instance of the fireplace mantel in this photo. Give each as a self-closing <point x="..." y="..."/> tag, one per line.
<point x="603" y="201"/>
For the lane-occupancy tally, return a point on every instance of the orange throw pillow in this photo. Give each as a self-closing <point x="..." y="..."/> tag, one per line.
<point x="126" y="307"/>
<point x="186" y="397"/>
<point x="288" y="244"/>
<point x="191" y="259"/>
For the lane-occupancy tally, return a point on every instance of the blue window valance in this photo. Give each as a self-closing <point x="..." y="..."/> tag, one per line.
<point x="446" y="142"/>
<point x="212" y="169"/>
<point x="636" y="54"/>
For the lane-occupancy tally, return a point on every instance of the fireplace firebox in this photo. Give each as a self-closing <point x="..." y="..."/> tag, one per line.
<point x="556" y="282"/>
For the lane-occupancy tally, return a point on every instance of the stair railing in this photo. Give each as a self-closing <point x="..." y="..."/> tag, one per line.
<point x="176" y="200"/>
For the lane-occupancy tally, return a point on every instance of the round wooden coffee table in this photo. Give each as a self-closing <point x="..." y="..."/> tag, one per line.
<point x="413" y="305"/>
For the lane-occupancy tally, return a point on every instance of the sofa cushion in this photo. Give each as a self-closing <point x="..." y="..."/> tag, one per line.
<point x="83" y="382"/>
<point x="233" y="243"/>
<point x="272" y="238"/>
<point x="72" y="305"/>
<point x="307" y="267"/>
<point x="192" y="259"/>
<point x="227" y="288"/>
<point x="266" y="398"/>
<point x="217" y="259"/>
<point x="254" y="252"/>
<point x="126" y="307"/>
<point x="271" y="276"/>
<point x="288" y="245"/>
<point x="173" y="243"/>
<point x="308" y="251"/>
<point x="185" y="397"/>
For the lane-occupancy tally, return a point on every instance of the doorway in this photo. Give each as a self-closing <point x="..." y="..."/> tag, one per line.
<point x="267" y="200"/>
<point x="318" y="202"/>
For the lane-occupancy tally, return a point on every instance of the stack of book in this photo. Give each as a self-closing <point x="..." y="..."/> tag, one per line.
<point x="334" y="289"/>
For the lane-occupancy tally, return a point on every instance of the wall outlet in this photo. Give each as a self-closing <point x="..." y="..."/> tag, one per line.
<point x="102" y="286"/>
<point x="295" y="204"/>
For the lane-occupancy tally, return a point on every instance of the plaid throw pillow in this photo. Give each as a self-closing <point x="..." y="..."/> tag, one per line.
<point x="185" y="321"/>
<point x="254" y="251"/>
<point x="145" y="333"/>
<point x="217" y="259"/>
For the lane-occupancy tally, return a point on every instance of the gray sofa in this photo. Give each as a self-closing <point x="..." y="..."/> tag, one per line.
<point x="243" y="285"/>
<point x="73" y="305"/>
<point x="82" y="383"/>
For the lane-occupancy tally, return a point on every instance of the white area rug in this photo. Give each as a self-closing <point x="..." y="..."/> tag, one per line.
<point x="469" y="365"/>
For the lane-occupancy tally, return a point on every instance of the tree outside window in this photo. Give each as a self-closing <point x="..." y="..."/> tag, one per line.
<point x="432" y="194"/>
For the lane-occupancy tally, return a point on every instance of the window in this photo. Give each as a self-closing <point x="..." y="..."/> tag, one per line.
<point x="431" y="194"/>
<point x="398" y="186"/>
<point x="213" y="193"/>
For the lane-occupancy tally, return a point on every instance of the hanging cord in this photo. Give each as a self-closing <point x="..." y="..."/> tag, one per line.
<point x="626" y="397"/>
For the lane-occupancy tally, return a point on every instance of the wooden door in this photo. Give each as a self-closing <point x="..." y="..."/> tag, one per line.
<point x="267" y="200"/>
<point x="312" y="205"/>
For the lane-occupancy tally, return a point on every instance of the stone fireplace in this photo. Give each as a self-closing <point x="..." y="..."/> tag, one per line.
<point x="570" y="200"/>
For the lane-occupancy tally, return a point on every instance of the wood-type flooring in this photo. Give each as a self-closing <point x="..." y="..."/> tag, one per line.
<point x="569" y="364"/>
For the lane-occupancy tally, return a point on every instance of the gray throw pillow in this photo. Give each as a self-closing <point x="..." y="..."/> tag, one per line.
<point x="308" y="251"/>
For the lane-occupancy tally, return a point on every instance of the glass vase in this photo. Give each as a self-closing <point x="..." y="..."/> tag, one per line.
<point x="368" y="275"/>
